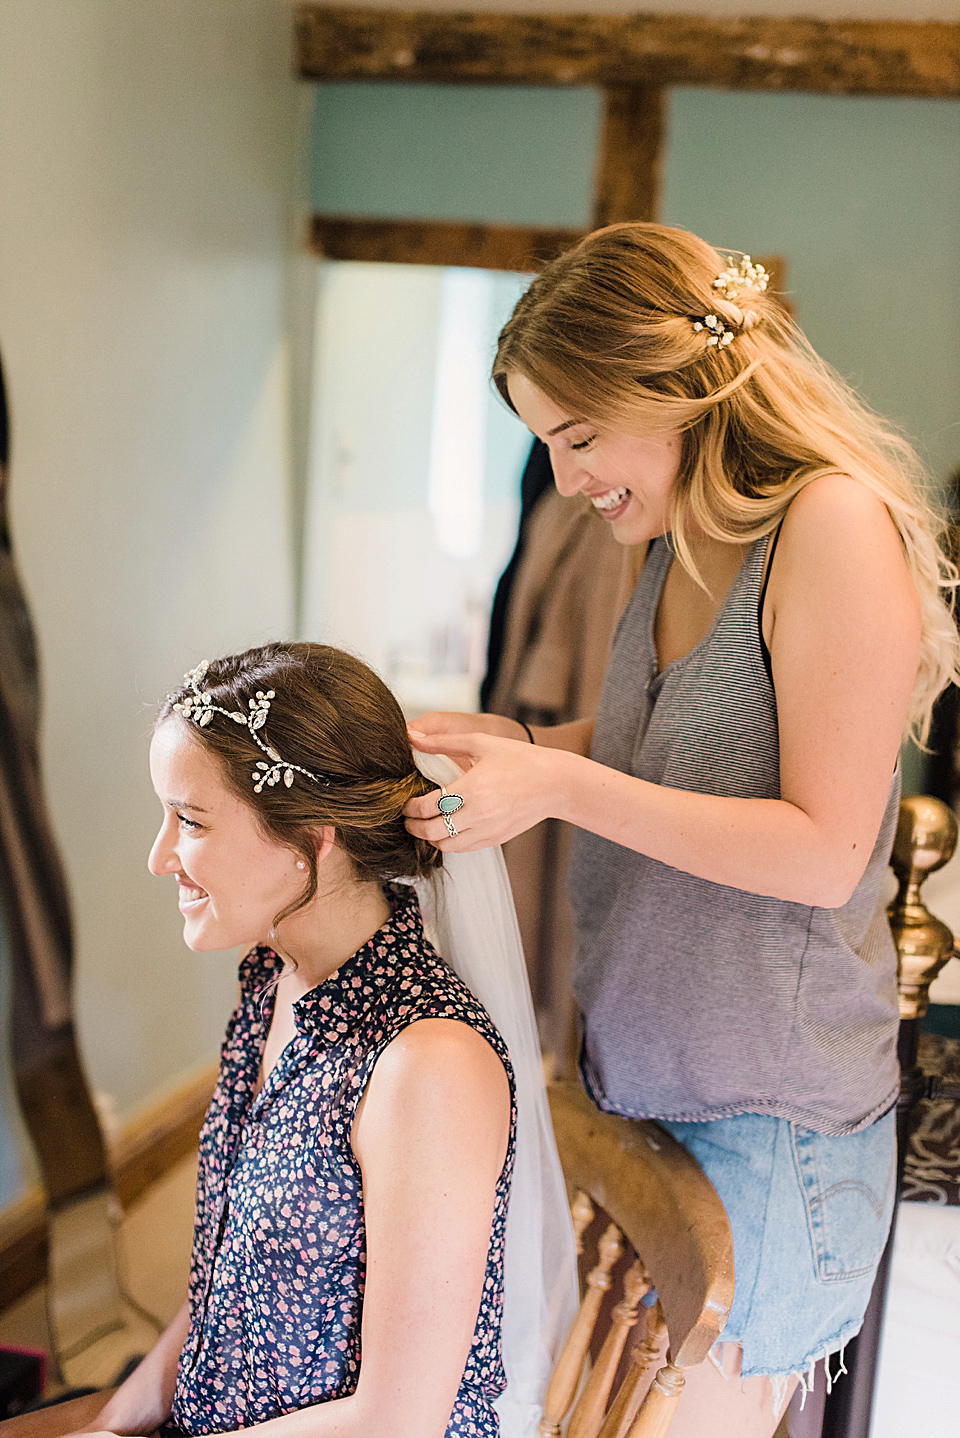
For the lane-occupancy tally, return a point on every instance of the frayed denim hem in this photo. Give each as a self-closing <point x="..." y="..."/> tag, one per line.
<point x="805" y="1373"/>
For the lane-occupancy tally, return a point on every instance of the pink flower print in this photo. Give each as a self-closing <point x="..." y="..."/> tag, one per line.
<point x="296" y="1195"/>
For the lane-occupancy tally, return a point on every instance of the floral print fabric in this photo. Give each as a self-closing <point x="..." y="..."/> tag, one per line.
<point x="277" y="1276"/>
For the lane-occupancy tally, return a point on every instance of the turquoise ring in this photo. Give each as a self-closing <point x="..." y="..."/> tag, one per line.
<point x="449" y="803"/>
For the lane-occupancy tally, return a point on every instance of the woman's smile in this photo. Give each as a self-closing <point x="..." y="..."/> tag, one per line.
<point x="191" y="895"/>
<point x="611" y="503"/>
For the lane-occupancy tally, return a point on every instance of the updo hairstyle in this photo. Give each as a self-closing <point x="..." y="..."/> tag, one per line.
<point x="333" y="716"/>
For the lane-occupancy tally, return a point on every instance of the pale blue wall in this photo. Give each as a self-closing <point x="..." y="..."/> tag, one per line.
<point x="505" y="153"/>
<point x="862" y="198"/>
<point x="860" y="195"/>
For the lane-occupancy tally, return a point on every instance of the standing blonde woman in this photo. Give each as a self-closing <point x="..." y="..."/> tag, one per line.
<point x="736" y="795"/>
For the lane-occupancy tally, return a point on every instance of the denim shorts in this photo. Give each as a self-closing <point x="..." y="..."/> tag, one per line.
<point x="810" y="1215"/>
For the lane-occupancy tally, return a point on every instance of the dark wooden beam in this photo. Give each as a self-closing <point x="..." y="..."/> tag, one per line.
<point x="439" y="242"/>
<point x="834" y="57"/>
<point x="630" y="161"/>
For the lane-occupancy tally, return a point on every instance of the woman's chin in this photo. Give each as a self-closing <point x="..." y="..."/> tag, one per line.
<point x="197" y="942"/>
<point x="202" y="937"/>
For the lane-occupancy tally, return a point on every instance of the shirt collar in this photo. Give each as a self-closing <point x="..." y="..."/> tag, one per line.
<point x="335" y="1008"/>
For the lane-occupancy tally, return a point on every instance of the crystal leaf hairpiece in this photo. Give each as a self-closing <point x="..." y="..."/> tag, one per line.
<point x="743" y="276"/>
<point x="200" y="708"/>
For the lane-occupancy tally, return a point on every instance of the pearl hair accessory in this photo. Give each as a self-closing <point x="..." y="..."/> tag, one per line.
<point x="743" y="276"/>
<point x="200" y="708"/>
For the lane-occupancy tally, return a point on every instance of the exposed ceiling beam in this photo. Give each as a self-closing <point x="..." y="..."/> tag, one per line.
<point x="836" y="57"/>
<point x="438" y="242"/>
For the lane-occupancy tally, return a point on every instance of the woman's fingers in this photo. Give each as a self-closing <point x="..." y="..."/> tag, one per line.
<point x="427" y="743"/>
<point x="439" y="721"/>
<point x="467" y="749"/>
<point x="506" y="787"/>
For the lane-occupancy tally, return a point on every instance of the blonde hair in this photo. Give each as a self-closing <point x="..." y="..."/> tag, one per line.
<point x="605" y="332"/>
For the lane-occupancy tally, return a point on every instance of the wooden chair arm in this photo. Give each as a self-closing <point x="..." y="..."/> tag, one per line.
<point x="60" y="1418"/>
<point x="659" y="1196"/>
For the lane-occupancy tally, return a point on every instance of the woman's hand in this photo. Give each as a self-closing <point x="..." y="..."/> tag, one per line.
<point x="142" y="1403"/>
<point x="508" y="785"/>
<point x="449" y="722"/>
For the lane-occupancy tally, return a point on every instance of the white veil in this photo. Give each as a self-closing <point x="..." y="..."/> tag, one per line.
<point x="470" y="918"/>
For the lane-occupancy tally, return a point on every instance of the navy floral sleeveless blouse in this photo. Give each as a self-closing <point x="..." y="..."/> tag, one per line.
<point x="277" y="1276"/>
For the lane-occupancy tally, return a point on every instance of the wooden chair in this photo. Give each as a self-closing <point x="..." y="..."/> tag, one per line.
<point x="61" y="1418"/>
<point x="662" y="1205"/>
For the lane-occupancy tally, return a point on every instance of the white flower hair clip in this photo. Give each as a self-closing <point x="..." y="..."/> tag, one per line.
<point x="743" y="276"/>
<point x="200" y="709"/>
<point x="720" y="332"/>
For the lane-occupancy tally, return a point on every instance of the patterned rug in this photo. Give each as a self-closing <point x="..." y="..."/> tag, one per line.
<point x="933" y="1162"/>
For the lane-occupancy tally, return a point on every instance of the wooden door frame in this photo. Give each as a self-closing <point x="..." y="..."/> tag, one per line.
<point x="633" y="59"/>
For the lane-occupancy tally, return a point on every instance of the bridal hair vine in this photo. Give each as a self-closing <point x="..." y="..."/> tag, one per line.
<point x="743" y="276"/>
<point x="200" y="708"/>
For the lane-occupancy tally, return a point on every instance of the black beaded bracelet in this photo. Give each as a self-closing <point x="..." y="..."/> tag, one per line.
<point x="528" y="729"/>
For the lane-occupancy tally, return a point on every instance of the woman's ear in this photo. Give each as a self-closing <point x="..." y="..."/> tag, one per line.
<point x="325" y="840"/>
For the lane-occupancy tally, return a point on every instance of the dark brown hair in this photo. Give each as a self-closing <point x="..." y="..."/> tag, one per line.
<point x="334" y="717"/>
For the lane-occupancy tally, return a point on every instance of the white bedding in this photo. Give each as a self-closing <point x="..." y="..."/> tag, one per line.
<point x="918" y="1382"/>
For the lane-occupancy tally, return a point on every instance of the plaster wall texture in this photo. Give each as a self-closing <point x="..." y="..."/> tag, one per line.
<point x="148" y="176"/>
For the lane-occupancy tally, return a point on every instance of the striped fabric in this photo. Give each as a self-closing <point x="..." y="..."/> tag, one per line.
<point x="699" y="1000"/>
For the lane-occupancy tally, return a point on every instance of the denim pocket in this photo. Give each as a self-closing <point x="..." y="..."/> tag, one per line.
<point x="848" y="1190"/>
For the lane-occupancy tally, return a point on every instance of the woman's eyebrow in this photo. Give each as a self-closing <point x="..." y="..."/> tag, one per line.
<point x="181" y="804"/>
<point x="567" y="424"/>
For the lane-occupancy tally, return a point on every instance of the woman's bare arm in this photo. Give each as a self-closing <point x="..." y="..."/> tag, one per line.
<point x="145" y="1400"/>
<point x="844" y="642"/>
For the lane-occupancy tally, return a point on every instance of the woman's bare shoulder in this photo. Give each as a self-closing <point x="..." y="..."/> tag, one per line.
<point x="841" y="557"/>
<point x="433" y="1044"/>
<point x="440" y="1075"/>
<point x="436" y="1060"/>
<point x="836" y="502"/>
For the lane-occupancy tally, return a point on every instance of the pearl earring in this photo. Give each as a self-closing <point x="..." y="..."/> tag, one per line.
<point x="301" y="864"/>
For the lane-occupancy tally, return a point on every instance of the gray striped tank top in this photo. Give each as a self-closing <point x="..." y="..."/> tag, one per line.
<point x="701" y="1001"/>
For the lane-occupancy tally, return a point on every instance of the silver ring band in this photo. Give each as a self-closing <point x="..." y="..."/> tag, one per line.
<point x="451" y="826"/>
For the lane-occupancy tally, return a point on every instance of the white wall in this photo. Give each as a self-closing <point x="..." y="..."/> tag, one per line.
<point x="148" y="163"/>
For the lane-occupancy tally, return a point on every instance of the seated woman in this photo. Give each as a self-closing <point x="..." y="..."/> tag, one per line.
<point x="356" y="1159"/>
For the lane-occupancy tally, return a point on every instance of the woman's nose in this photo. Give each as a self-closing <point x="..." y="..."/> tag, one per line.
<point x="569" y="474"/>
<point x="163" y="857"/>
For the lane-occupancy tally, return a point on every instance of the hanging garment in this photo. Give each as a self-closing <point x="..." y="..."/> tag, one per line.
<point x="569" y="587"/>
